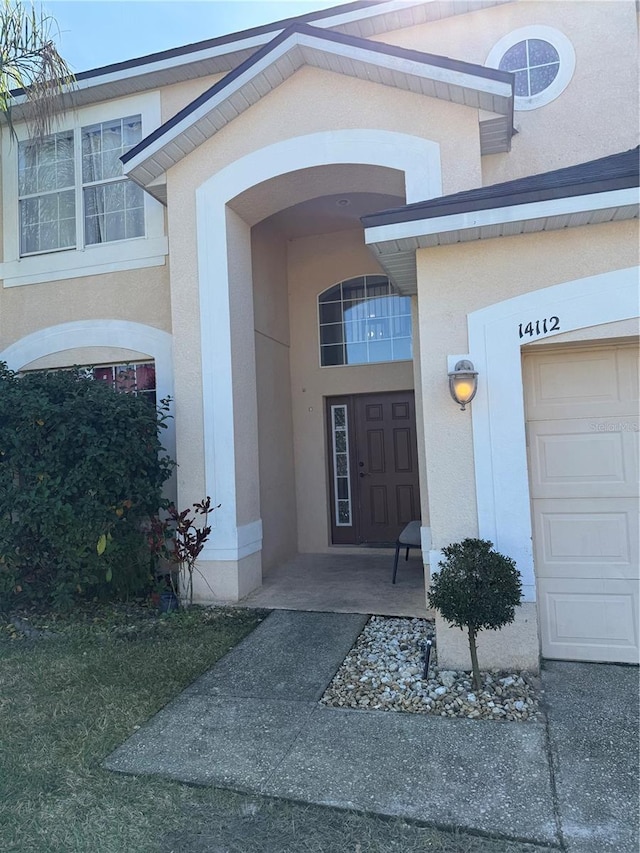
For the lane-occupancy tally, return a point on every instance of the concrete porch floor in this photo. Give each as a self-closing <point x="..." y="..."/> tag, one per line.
<point x="344" y="583"/>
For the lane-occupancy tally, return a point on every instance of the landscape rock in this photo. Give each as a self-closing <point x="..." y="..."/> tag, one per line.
<point x="384" y="670"/>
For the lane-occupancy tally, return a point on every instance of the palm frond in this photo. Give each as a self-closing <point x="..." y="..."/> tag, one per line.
<point x="30" y="65"/>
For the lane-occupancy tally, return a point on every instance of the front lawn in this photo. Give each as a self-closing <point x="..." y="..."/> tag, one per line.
<point x="69" y="698"/>
<point x="76" y="687"/>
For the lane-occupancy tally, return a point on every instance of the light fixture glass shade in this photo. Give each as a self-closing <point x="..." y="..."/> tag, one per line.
<point x="463" y="383"/>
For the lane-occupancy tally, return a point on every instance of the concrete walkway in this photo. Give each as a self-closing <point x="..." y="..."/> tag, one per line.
<point x="253" y="723"/>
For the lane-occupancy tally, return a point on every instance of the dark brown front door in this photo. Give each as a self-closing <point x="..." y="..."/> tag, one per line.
<point x="373" y="467"/>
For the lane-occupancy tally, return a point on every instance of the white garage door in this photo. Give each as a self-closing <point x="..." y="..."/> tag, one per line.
<point x="582" y="435"/>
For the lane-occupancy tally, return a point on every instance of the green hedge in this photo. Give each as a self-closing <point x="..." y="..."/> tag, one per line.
<point x="81" y="473"/>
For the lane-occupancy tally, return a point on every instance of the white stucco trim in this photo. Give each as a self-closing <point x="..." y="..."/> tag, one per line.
<point x="248" y="540"/>
<point x="425" y="541"/>
<point x="109" y="257"/>
<point x="419" y="159"/>
<point x="124" y="334"/>
<point x="499" y="441"/>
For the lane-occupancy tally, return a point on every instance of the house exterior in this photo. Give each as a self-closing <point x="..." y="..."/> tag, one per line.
<point x="299" y="230"/>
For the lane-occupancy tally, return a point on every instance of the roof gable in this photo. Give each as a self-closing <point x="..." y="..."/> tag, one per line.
<point x="427" y="74"/>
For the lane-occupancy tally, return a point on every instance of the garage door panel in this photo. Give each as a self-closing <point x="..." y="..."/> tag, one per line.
<point x="584" y="457"/>
<point x="574" y="542"/>
<point x="591" y="620"/>
<point x="590" y="383"/>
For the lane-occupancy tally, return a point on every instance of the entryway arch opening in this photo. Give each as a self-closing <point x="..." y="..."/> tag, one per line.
<point x="275" y="229"/>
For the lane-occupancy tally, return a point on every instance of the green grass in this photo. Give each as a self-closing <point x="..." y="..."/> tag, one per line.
<point x="68" y="698"/>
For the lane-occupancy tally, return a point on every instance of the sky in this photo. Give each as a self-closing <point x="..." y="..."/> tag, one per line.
<point x="99" y="32"/>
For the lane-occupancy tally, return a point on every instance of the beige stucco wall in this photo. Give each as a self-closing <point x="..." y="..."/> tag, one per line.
<point x="140" y="296"/>
<point x="456" y="280"/>
<point x="177" y="96"/>
<point x="313" y="100"/>
<point x="3" y="130"/>
<point x="314" y="264"/>
<point x="243" y="360"/>
<point x="453" y="280"/>
<point x="275" y="425"/>
<point x="567" y="130"/>
<point x="226" y="581"/>
<point x="513" y="647"/>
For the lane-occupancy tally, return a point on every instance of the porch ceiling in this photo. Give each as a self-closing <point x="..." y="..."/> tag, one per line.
<point x="309" y="187"/>
<point x="329" y="213"/>
<point x="481" y="88"/>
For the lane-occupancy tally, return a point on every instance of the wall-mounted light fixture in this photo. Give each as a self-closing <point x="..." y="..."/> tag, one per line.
<point x="463" y="382"/>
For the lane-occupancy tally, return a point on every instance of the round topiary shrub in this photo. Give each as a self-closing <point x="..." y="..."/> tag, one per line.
<point x="475" y="588"/>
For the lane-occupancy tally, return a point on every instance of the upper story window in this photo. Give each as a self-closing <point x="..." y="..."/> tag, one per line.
<point x="541" y="58"/>
<point x="72" y="191"/>
<point x="68" y="210"/>
<point x="535" y="63"/>
<point x="363" y="321"/>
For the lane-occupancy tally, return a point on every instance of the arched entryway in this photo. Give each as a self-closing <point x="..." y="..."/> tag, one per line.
<point x="273" y="232"/>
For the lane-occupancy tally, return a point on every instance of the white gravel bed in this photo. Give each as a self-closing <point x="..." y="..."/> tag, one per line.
<point x="384" y="671"/>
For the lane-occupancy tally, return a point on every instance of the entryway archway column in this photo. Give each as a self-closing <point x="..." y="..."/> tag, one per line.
<point x="231" y="560"/>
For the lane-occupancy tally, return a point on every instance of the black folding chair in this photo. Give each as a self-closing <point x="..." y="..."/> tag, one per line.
<point x="409" y="538"/>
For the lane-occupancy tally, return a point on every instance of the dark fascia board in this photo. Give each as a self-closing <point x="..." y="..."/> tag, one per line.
<point x="615" y="172"/>
<point x="329" y="36"/>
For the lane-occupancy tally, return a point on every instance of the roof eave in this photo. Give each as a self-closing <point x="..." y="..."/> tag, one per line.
<point x="394" y="246"/>
<point x="222" y="54"/>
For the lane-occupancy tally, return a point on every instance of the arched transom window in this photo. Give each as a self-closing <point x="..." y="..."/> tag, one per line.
<point x="363" y="321"/>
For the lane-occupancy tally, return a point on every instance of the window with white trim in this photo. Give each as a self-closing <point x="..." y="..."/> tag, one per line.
<point x="72" y="192"/>
<point x="363" y="321"/>
<point x="535" y="63"/>
<point x="542" y="60"/>
<point x="68" y="209"/>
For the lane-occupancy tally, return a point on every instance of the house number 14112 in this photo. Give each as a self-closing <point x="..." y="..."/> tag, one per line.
<point x="539" y="327"/>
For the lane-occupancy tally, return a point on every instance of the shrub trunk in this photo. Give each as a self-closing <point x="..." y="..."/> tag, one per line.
<point x="477" y="681"/>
